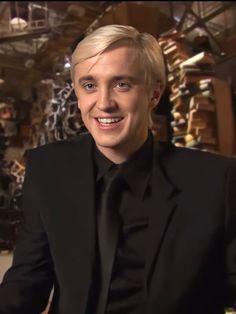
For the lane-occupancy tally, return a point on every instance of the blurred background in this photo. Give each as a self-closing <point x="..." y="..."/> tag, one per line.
<point x="38" y="105"/>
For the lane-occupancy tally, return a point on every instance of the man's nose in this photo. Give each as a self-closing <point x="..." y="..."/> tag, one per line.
<point x="105" y="101"/>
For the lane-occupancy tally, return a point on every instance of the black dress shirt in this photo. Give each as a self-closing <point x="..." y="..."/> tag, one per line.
<point x="126" y="294"/>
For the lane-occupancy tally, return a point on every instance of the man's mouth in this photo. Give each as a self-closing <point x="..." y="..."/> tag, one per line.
<point x="109" y="121"/>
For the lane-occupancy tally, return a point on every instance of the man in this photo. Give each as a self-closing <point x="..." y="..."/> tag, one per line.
<point x="173" y="239"/>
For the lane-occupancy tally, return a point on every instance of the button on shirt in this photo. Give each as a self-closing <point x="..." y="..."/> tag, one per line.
<point x="126" y="294"/>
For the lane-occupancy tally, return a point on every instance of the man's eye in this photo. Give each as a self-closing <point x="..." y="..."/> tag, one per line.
<point x="89" y="86"/>
<point x="123" y="85"/>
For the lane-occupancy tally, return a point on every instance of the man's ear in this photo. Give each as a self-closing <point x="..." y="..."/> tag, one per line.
<point x="156" y="94"/>
<point x="77" y="97"/>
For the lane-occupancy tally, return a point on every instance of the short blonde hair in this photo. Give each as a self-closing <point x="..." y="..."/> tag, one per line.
<point x="106" y="37"/>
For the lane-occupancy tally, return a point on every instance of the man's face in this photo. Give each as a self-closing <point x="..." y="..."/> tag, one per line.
<point x="114" y="101"/>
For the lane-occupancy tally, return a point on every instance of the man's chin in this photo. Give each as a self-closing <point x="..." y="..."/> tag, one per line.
<point x="112" y="144"/>
<point x="108" y="145"/>
<point x="108" y="140"/>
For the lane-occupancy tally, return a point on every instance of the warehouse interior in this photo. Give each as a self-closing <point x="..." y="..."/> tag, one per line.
<point x="38" y="105"/>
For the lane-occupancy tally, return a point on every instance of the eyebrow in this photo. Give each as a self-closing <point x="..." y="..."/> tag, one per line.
<point x="114" y="78"/>
<point x="85" y="78"/>
<point x="124" y="77"/>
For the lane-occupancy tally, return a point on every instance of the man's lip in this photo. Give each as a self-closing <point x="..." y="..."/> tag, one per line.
<point x="113" y="124"/>
<point x="109" y="117"/>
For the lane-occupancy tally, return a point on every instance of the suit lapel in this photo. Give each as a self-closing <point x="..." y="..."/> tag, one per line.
<point x="81" y="208"/>
<point x="161" y="206"/>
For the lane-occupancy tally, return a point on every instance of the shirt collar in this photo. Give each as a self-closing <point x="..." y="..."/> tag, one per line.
<point x="102" y="164"/>
<point x="136" y="171"/>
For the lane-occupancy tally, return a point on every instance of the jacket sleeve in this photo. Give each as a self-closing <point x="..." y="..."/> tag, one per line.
<point x="27" y="284"/>
<point x="230" y="222"/>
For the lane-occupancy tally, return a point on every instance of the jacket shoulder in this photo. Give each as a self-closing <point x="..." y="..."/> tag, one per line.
<point x="192" y="165"/>
<point x="57" y="146"/>
<point x="191" y="157"/>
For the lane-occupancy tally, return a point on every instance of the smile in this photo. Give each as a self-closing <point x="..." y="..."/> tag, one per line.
<point x="108" y="121"/>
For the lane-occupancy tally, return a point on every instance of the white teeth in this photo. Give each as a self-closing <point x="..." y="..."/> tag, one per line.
<point x="108" y="120"/>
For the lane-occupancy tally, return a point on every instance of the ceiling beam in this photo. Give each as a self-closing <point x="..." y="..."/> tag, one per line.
<point x="4" y="5"/>
<point x="210" y="16"/>
<point x="188" y="7"/>
<point x="13" y="37"/>
<point x="24" y="35"/>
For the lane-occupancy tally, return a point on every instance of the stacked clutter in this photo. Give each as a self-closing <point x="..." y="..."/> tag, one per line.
<point x="197" y="103"/>
<point x="55" y="115"/>
<point x="6" y="227"/>
<point x="10" y="213"/>
<point x="190" y="81"/>
<point x="176" y="49"/>
<point x="4" y="141"/>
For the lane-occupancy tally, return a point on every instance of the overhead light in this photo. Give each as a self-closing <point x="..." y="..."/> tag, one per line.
<point x="67" y="63"/>
<point x="2" y="81"/>
<point x="18" y="24"/>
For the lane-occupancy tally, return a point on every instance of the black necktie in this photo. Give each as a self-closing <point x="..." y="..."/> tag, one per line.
<point x="108" y="230"/>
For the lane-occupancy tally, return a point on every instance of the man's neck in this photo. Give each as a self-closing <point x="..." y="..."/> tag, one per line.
<point x="119" y="156"/>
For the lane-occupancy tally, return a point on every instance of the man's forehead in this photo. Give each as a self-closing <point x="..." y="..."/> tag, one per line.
<point x="121" y="58"/>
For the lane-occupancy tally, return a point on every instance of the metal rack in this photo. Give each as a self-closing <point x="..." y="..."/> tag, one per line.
<point x="215" y="19"/>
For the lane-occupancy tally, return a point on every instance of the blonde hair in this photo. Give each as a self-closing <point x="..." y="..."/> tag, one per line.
<point x="106" y="37"/>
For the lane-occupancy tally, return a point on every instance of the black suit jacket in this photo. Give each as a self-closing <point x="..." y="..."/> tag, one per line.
<point x="191" y="244"/>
